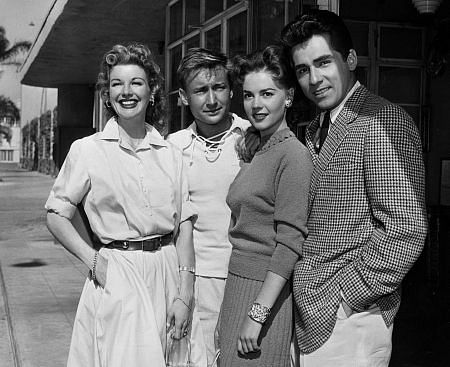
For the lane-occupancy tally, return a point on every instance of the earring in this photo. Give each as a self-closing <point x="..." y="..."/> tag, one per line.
<point x="231" y="94"/>
<point x="108" y="104"/>
<point x="152" y="100"/>
<point x="288" y="103"/>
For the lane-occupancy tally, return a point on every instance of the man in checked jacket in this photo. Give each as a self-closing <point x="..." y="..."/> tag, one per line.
<point x="367" y="216"/>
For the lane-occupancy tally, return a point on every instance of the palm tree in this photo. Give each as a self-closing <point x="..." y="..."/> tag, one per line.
<point x="8" y="108"/>
<point x="7" y="53"/>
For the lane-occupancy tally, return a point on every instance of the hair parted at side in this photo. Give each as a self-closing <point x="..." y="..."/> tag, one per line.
<point x="272" y="59"/>
<point x="140" y="55"/>
<point x="197" y="59"/>
<point x="318" y="22"/>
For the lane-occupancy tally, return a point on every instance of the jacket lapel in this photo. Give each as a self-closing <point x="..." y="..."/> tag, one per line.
<point x="337" y="132"/>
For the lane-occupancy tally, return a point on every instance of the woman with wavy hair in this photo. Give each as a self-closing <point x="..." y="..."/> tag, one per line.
<point x="131" y="184"/>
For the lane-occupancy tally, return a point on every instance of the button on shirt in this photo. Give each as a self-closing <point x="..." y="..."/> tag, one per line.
<point x="210" y="176"/>
<point x="126" y="194"/>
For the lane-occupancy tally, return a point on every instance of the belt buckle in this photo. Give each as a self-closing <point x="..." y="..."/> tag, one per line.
<point x="125" y="245"/>
<point x="159" y="242"/>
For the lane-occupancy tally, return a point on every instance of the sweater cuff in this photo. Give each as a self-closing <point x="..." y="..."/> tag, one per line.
<point x="283" y="261"/>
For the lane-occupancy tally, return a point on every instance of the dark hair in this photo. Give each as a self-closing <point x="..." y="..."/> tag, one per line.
<point x="273" y="59"/>
<point x="197" y="59"/>
<point x="140" y="55"/>
<point x="318" y="22"/>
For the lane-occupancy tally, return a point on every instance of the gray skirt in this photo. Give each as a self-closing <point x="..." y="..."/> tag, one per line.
<point x="275" y="336"/>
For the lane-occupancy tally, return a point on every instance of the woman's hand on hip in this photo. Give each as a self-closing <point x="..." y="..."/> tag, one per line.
<point x="101" y="270"/>
<point x="248" y="336"/>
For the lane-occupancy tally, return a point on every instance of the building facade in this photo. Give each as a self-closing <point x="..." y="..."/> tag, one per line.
<point x="9" y="139"/>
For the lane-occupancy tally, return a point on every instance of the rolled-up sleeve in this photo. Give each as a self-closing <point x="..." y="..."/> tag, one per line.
<point x="291" y="205"/>
<point x="71" y="185"/>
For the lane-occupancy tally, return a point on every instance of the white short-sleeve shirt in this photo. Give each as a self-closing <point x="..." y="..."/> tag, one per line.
<point x="209" y="177"/>
<point x="126" y="194"/>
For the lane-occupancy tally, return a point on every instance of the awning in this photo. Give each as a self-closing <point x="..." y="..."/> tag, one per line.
<point x="76" y="33"/>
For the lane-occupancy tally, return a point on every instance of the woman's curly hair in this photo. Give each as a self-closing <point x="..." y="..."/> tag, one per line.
<point x="272" y="58"/>
<point x="136" y="54"/>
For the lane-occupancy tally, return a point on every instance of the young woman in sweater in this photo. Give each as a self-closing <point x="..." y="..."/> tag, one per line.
<point x="268" y="201"/>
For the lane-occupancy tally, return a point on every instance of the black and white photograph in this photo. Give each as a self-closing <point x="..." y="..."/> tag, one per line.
<point x="224" y="183"/>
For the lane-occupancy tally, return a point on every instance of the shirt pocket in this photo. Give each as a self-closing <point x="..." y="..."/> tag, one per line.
<point x="159" y="191"/>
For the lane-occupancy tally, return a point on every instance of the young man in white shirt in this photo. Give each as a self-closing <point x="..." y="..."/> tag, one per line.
<point x="212" y="162"/>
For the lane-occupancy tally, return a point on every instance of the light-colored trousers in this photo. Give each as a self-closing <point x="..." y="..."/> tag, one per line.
<point x="361" y="340"/>
<point x="208" y="300"/>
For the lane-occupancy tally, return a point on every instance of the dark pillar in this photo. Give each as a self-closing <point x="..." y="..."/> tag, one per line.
<point x="75" y="114"/>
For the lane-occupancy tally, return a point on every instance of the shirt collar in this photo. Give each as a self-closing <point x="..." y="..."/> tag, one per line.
<point x="236" y="123"/>
<point x="335" y="111"/>
<point x="111" y="132"/>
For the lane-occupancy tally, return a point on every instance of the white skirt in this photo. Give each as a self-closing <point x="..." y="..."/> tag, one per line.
<point x="124" y="324"/>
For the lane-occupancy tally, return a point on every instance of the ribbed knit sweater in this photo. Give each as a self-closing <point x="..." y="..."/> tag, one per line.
<point x="269" y="200"/>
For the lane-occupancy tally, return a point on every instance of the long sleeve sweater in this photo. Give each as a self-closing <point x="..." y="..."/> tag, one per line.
<point x="269" y="201"/>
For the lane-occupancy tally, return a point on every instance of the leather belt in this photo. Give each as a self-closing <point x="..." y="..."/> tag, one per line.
<point x="151" y="244"/>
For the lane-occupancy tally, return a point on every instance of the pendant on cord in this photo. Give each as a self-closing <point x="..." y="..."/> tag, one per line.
<point x="212" y="152"/>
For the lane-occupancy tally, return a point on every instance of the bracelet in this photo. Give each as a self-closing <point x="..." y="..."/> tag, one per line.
<point x="94" y="266"/>
<point x="184" y="302"/>
<point x="259" y="313"/>
<point x="190" y="269"/>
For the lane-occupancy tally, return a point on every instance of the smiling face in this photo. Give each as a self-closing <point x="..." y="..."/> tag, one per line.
<point x="208" y="95"/>
<point x="129" y="92"/>
<point x="324" y="76"/>
<point x="265" y="102"/>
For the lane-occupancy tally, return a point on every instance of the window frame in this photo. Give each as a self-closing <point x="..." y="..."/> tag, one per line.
<point x="220" y="20"/>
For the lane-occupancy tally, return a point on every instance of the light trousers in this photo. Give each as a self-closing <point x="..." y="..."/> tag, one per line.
<point x="208" y="300"/>
<point x="361" y="340"/>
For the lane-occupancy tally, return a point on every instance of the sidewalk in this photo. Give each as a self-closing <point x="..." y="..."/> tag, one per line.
<point x="40" y="282"/>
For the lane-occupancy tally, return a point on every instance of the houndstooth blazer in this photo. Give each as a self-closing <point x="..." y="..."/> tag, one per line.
<point x="367" y="217"/>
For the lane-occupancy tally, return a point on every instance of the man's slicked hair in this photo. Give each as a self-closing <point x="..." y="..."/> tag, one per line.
<point x="197" y="59"/>
<point x="318" y="22"/>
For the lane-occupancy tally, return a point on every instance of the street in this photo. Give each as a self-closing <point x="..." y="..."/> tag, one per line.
<point x="40" y="282"/>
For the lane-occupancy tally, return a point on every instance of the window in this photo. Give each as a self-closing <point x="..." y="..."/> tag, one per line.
<point x="270" y="21"/>
<point x="270" y="18"/>
<point x="212" y="8"/>
<point x="176" y="20"/>
<point x="174" y="58"/>
<point x="6" y="155"/>
<point x="213" y="38"/>
<point x="225" y="25"/>
<point x="395" y="73"/>
<point x="192" y="15"/>
<point x="237" y="34"/>
<point x="192" y="42"/>
<point x="409" y="38"/>
<point x="206" y="24"/>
